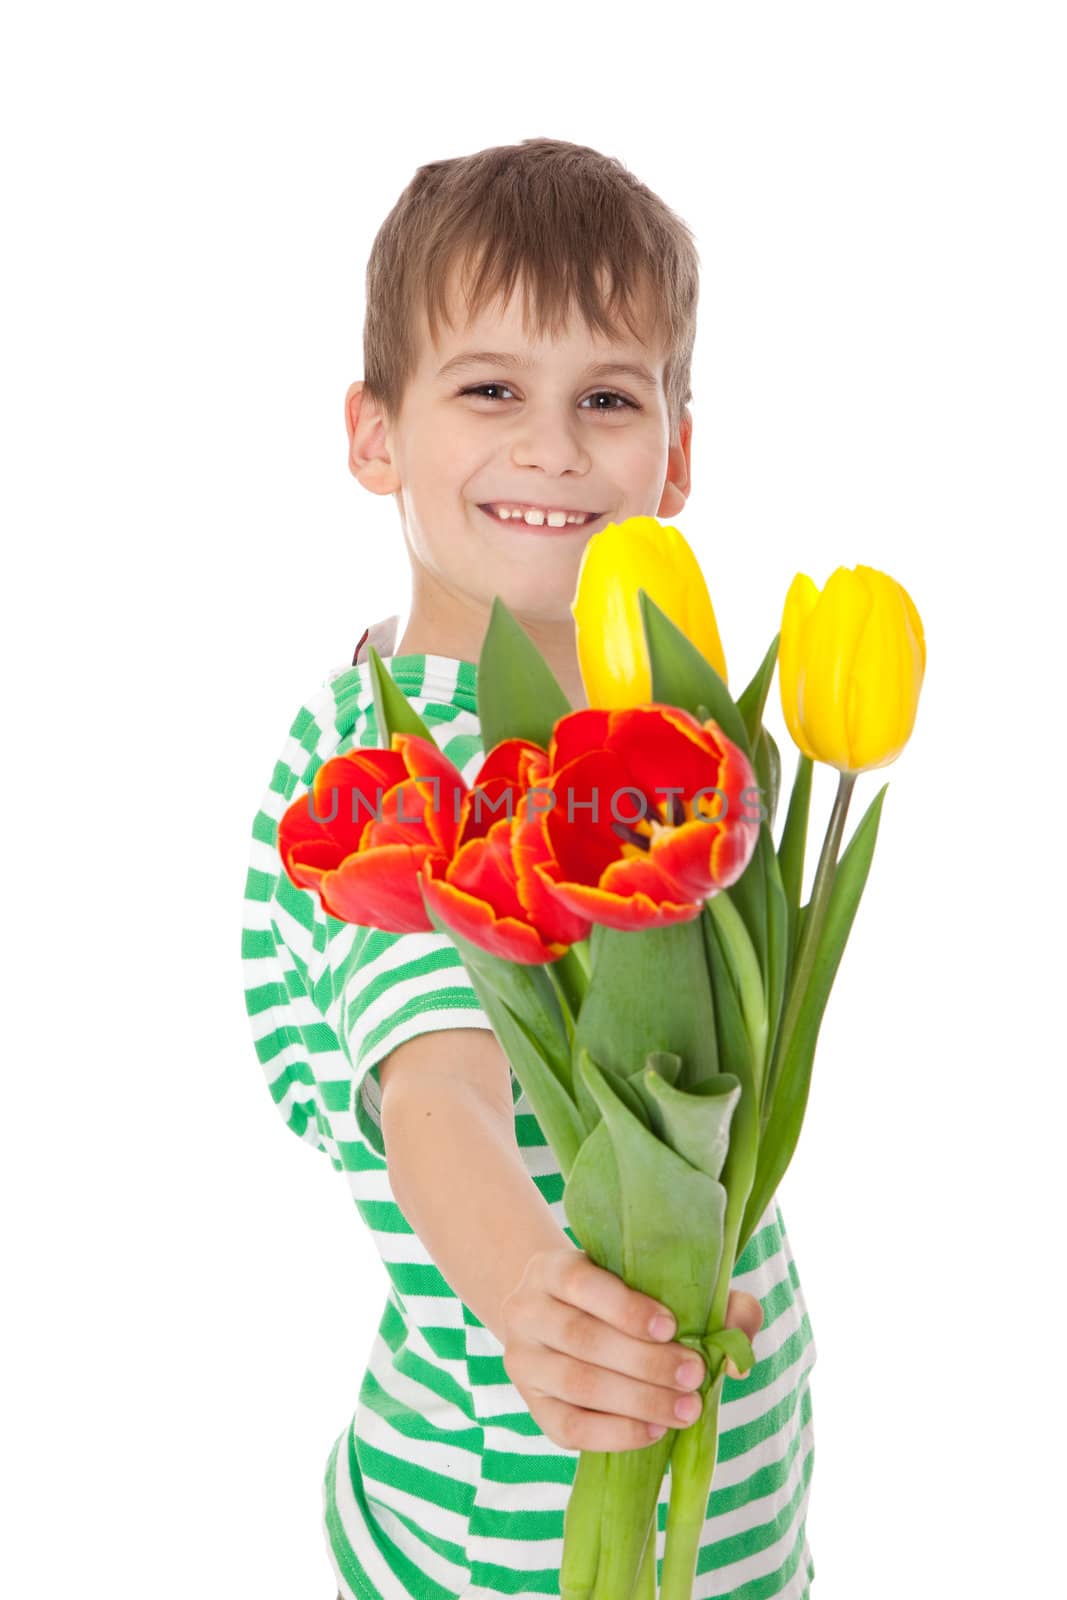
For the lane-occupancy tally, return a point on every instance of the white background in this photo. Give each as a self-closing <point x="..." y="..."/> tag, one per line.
<point x="189" y="197"/>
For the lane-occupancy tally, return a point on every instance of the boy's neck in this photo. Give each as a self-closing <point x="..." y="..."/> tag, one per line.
<point x="461" y="639"/>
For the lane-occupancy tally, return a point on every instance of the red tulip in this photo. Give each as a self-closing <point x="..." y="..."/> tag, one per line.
<point x="373" y="818"/>
<point x="643" y="817"/>
<point x="477" y="894"/>
<point x="477" y="891"/>
<point x="369" y="820"/>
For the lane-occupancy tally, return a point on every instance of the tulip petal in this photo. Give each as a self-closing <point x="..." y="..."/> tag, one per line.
<point x="640" y="553"/>
<point x="580" y="827"/>
<point x="800" y="602"/>
<point x="704" y="856"/>
<point x="916" y="626"/>
<point x="509" y="759"/>
<point x="851" y="664"/>
<point x="886" y="676"/>
<point x="529" y="849"/>
<point x="307" y="861"/>
<point x="476" y="920"/>
<point x="347" y="792"/>
<point x="404" y="820"/>
<point x="484" y="805"/>
<point x="576" y="733"/>
<point x="831" y="643"/>
<point x="665" y="747"/>
<point x="297" y="830"/>
<point x="379" y="889"/>
<point x="438" y="781"/>
<point x="636" y="895"/>
<point x="483" y="868"/>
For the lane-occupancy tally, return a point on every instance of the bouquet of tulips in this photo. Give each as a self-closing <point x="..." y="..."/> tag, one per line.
<point x="635" y="936"/>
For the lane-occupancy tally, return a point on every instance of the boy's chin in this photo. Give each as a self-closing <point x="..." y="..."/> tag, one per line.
<point x="538" y="591"/>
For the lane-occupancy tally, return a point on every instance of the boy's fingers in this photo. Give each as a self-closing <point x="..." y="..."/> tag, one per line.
<point x="579" y="1281"/>
<point x="603" y="1294"/>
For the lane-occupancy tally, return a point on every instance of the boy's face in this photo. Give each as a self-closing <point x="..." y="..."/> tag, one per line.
<point x="549" y="431"/>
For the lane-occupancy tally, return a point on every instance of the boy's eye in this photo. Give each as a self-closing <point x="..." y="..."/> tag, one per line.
<point x="601" y="394"/>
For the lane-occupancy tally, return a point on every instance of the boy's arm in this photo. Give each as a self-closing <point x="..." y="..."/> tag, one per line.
<point x="455" y="1169"/>
<point x="579" y="1344"/>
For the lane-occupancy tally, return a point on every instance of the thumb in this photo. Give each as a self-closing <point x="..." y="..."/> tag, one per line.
<point x="743" y="1311"/>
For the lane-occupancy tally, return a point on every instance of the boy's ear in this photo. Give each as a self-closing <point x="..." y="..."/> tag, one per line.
<point x="676" y="487"/>
<point x="368" y="450"/>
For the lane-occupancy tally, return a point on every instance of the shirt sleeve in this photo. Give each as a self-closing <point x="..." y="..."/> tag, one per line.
<point x="285" y="952"/>
<point x="389" y="988"/>
<point x="329" y="1000"/>
<point x="282" y="934"/>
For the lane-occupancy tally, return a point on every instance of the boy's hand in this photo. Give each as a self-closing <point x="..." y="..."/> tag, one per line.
<point x="580" y="1351"/>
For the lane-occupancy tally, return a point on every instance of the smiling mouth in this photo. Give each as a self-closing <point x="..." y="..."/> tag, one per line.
<point x="537" y="522"/>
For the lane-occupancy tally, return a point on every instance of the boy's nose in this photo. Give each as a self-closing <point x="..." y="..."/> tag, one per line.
<point x="551" y="443"/>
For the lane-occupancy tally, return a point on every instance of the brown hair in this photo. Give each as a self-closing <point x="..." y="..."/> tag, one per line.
<point x="554" y="214"/>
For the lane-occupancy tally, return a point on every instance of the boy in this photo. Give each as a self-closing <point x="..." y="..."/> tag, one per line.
<point x="529" y="329"/>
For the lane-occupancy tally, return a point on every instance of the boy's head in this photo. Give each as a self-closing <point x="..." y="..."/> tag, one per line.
<point x="537" y="263"/>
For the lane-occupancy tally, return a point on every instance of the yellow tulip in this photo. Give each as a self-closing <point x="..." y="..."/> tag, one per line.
<point x="640" y="553"/>
<point x="850" y="667"/>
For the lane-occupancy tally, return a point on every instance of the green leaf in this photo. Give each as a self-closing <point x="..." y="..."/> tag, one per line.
<point x="666" y="1238"/>
<point x="571" y="979"/>
<point x="734" y="1050"/>
<point x="794" y="1073"/>
<point x="749" y="896"/>
<point x="793" y="845"/>
<point x="564" y="1002"/>
<point x="778" y="947"/>
<point x="734" y="1045"/>
<point x="623" y="1181"/>
<point x="525" y="986"/>
<point x="735" y="1343"/>
<point x="682" y="676"/>
<point x="649" y="992"/>
<point x="695" y="1125"/>
<point x="624" y="1084"/>
<point x="552" y="1105"/>
<point x="665" y="1062"/>
<point x="768" y="769"/>
<point x="393" y="711"/>
<point x="628" y="1091"/>
<point x="754" y="697"/>
<point x="519" y="696"/>
<point x="658" y="1221"/>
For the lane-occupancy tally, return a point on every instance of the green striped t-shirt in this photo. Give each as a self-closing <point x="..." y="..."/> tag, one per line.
<point x="443" y="1487"/>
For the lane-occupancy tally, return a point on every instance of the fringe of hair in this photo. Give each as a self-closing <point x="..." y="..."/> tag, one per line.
<point x="567" y="223"/>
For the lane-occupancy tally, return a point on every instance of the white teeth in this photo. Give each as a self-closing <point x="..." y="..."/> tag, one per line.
<point x="535" y="518"/>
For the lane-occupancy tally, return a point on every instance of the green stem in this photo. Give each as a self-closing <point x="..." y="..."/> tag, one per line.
<point x="610" y="1521"/>
<point x="581" y="1527"/>
<point x="646" y="1578"/>
<point x="692" y="1469"/>
<point x="815" y="916"/>
<point x="628" y="1518"/>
